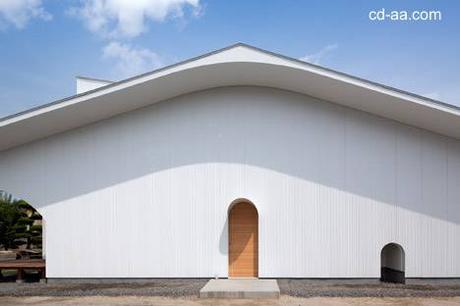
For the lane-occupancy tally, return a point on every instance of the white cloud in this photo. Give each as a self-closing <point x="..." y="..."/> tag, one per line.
<point x="19" y="12"/>
<point x="317" y="57"/>
<point x="127" y="18"/>
<point x="131" y="61"/>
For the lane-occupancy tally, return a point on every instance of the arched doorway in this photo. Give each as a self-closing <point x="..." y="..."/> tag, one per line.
<point x="243" y="233"/>
<point x="21" y="240"/>
<point x="392" y="264"/>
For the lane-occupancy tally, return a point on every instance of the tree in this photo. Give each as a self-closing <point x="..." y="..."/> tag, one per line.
<point x="33" y="231"/>
<point x="9" y="216"/>
<point x="17" y="223"/>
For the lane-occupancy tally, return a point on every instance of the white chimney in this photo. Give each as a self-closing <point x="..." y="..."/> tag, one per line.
<point x="86" y="84"/>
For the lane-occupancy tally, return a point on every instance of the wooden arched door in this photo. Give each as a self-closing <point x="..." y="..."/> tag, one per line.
<point x="243" y="236"/>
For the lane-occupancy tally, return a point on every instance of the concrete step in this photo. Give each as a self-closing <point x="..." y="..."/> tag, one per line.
<point x="241" y="288"/>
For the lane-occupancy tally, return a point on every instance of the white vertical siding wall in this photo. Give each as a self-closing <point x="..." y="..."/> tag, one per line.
<point x="146" y="194"/>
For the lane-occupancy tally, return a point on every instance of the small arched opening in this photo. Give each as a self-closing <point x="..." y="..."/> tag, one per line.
<point x="392" y="264"/>
<point x="243" y="233"/>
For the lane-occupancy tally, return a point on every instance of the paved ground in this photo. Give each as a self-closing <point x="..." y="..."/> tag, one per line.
<point x="163" y="301"/>
<point x="241" y="288"/>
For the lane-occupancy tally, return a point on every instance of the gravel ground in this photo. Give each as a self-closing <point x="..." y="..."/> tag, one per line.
<point x="369" y="288"/>
<point x="191" y="287"/>
<point x="168" y="287"/>
<point x="283" y="301"/>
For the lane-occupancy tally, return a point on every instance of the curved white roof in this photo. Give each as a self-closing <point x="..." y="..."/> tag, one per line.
<point x="236" y="65"/>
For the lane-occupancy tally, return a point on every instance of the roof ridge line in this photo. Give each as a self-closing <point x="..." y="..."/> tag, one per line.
<point x="237" y="44"/>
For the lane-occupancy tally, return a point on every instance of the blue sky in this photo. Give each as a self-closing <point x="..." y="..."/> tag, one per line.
<point x="44" y="44"/>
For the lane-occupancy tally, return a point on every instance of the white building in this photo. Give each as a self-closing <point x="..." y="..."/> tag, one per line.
<point x="310" y="172"/>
